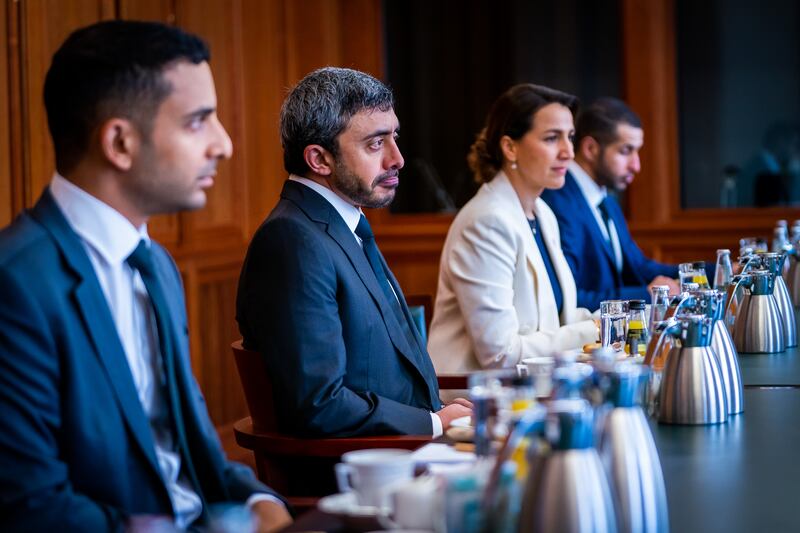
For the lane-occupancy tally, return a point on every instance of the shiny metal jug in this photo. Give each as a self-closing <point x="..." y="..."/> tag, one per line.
<point x="661" y="344"/>
<point x="629" y="454"/>
<point x="774" y="262"/>
<point x="692" y="388"/>
<point x="793" y="277"/>
<point x="711" y="303"/>
<point x="759" y="326"/>
<point x="567" y="488"/>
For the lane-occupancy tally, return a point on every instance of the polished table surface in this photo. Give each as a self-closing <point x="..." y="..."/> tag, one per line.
<point x="740" y="476"/>
<point x="770" y="369"/>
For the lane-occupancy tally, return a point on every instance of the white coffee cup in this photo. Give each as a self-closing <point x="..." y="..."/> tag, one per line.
<point x="374" y="474"/>
<point x="541" y="371"/>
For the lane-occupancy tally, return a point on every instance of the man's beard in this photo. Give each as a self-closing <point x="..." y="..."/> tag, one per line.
<point x="606" y="178"/>
<point x="350" y="185"/>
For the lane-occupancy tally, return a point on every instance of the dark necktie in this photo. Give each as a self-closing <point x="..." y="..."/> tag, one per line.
<point x="604" y="208"/>
<point x="142" y="260"/>
<point x="364" y="232"/>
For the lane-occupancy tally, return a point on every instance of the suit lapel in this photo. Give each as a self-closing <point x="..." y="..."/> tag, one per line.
<point x="625" y="242"/>
<point x="545" y="301"/>
<point x="550" y="235"/>
<point x="423" y="360"/>
<point x="97" y="320"/>
<point x="597" y="234"/>
<point x="319" y="210"/>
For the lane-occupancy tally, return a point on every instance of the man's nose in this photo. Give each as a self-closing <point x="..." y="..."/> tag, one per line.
<point x="635" y="164"/>
<point x="394" y="159"/>
<point x="222" y="146"/>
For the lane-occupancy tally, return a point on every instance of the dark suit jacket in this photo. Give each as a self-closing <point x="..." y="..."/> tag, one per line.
<point x="590" y="255"/>
<point x="76" y="451"/>
<point x="338" y="359"/>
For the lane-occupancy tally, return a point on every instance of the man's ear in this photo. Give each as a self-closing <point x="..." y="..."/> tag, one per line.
<point x="590" y="149"/>
<point x="119" y="142"/>
<point x="319" y="160"/>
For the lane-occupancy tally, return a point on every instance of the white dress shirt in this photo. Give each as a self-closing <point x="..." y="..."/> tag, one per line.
<point x="595" y="194"/>
<point x="109" y="238"/>
<point x="351" y="216"/>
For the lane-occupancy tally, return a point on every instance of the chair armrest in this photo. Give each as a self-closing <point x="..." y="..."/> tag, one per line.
<point x="452" y="381"/>
<point x="278" y="444"/>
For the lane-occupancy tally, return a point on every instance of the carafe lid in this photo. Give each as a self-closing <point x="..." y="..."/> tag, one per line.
<point x="625" y="381"/>
<point x="569" y="424"/>
<point x="569" y="380"/>
<point x="695" y="330"/>
<point x="709" y="302"/>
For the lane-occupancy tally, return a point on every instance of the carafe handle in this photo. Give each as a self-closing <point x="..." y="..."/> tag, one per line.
<point x="663" y="332"/>
<point x="531" y="424"/>
<point x="731" y="293"/>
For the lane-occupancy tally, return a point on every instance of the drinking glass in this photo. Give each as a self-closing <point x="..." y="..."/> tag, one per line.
<point x="693" y="273"/>
<point x="613" y="323"/>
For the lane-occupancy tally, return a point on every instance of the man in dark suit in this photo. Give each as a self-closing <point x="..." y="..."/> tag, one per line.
<point x="605" y="260"/>
<point x="101" y="420"/>
<point x="315" y="295"/>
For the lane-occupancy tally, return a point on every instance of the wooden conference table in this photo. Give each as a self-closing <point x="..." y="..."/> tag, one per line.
<point x="740" y="476"/>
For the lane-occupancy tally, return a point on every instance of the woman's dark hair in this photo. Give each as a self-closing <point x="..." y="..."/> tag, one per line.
<point x="108" y="69"/>
<point x="512" y="115"/>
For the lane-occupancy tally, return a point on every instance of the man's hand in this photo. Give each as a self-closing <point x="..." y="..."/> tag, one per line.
<point x="458" y="408"/>
<point x="272" y="516"/>
<point x="674" y="286"/>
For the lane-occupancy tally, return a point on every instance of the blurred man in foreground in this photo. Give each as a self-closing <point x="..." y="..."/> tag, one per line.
<point x="101" y="417"/>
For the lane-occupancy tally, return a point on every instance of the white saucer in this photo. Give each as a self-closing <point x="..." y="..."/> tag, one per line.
<point x="361" y="517"/>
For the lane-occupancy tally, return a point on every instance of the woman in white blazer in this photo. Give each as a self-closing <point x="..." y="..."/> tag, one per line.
<point x="500" y="298"/>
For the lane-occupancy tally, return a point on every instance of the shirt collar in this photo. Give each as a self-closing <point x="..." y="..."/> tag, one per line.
<point x="101" y="226"/>
<point x="593" y="192"/>
<point x="349" y="213"/>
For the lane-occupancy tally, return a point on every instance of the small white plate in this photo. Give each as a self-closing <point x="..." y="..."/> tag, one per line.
<point x="360" y="517"/>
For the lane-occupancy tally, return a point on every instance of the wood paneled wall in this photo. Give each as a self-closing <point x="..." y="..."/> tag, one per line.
<point x="259" y="48"/>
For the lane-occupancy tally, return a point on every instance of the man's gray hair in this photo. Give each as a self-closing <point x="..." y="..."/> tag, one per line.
<point x="319" y="108"/>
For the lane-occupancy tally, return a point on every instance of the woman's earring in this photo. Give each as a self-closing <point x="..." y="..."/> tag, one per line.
<point x="513" y="165"/>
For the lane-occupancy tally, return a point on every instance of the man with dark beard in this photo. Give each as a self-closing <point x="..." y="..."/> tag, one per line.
<point x="604" y="259"/>
<point x="316" y="297"/>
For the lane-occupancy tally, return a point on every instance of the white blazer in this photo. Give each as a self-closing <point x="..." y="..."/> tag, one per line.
<point x="495" y="304"/>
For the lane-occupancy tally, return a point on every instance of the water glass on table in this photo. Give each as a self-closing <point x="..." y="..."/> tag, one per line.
<point x="613" y="323"/>
<point x="694" y="272"/>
